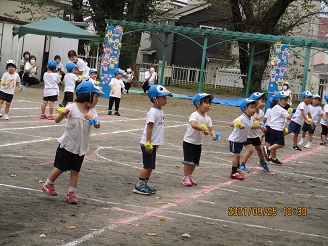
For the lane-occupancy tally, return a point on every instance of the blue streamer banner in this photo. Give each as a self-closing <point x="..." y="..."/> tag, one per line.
<point x="110" y="60"/>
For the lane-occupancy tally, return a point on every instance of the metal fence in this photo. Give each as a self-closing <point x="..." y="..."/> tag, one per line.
<point x="92" y="62"/>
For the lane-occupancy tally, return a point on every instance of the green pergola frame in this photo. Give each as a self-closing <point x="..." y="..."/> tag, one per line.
<point x="251" y="38"/>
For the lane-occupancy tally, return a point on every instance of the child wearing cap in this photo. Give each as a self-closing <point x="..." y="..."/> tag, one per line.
<point x="302" y="114"/>
<point x="51" y="90"/>
<point x="199" y="125"/>
<point x="237" y="139"/>
<point x="324" y="122"/>
<point x="71" y="81"/>
<point x="9" y="81"/>
<point x="253" y="138"/>
<point x="152" y="137"/>
<point x="74" y="143"/>
<point x="315" y="111"/>
<point x="277" y="125"/>
<point x="116" y="85"/>
<point x="93" y="73"/>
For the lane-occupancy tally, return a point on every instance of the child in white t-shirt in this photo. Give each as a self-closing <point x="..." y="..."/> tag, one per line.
<point x="288" y="91"/>
<point x="51" y="90"/>
<point x="9" y="81"/>
<point x="317" y="114"/>
<point x="242" y="125"/>
<point x="277" y="125"/>
<point x="70" y="81"/>
<point x="152" y="137"/>
<point x="93" y="73"/>
<point x="116" y="85"/>
<point x="60" y="69"/>
<point x="199" y="125"/>
<point x="267" y="120"/>
<point x="302" y="114"/>
<point x="324" y="123"/>
<point x="253" y="138"/>
<point x="82" y="68"/>
<point x="74" y="143"/>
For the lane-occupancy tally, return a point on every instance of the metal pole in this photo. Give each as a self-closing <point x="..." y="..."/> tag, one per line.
<point x="306" y="67"/>
<point x="164" y="58"/>
<point x="201" y="76"/>
<point x="97" y="59"/>
<point x="250" y="68"/>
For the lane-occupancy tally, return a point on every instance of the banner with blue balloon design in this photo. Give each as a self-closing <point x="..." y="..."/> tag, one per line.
<point x="110" y="60"/>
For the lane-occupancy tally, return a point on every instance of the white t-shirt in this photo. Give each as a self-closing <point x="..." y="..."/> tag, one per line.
<point x="194" y="136"/>
<point x="240" y="135"/>
<point x="10" y="82"/>
<point x="157" y="136"/>
<point x="325" y="110"/>
<point x="288" y="91"/>
<point x="278" y="118"/>
<point x="69" y="80"/>
<point x="254" y="133"/>
<point x="152" y="79"/>
<point x="298" y="117"/>
<point x="61" y="66"/>
<point x="315" y="112"/>
<point x="32" y="71"/>
<point x="51" y="81"/>
<point x="268" y="116"/>
<point x="117" y="85"/>
<point x="77" y="131"/>
<point x="23" y="62"/>
<point x="82" y="66"/>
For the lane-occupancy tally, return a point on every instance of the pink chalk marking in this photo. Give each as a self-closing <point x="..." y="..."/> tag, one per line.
<point x="135" y="212"/>
<point x="302" y="154"/>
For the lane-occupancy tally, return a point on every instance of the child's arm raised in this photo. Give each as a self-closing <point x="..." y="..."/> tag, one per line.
<point x="199" y="127"/>
<point x="62" y="115"/>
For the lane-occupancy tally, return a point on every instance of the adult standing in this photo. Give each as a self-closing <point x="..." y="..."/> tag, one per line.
<point x="25" y="59"/>
<point x="31" y="70"/>
<point x="81" y="67"/>
<point x="150" y="78"/>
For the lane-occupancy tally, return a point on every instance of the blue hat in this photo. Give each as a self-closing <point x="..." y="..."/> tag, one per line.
<point x="118" y="71"/>
<point x="93" y="70"/>
<point x="10" y="62"/>
<point x="88" y="87"/>
<point x="316" y="96"/>
<point x="200" y="96"/>
<point x="306" y="94"/>
<point x="326" y="97"/>
<point x="158" y="91"/>
<point x="52" y="64"/>
<point x="256" y="95"/>
<point x="70" y="66"/>
<point x="245" y="103"/>
<point x="280" y="95"/>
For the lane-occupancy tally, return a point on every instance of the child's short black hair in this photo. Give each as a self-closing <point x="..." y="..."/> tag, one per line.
<point x="204" y="99"/>
<point x="85" y="97"/>
<point x="263" y="97"/>
<point x="57" y="57"/>
<point x="273" y="103"/>
<point x="53" y="69"/>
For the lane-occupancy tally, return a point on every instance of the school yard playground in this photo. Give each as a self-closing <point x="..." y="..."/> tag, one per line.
<point x="287" y="206"/>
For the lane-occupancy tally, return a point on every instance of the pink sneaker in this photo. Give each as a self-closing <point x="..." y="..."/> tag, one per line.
<point x="192" y="181"/>
<point x="43" y="116"/>
<point x="50" y="117"/>
<point x="186" y="181"/>
<point x="71" y="198"/>
<point x="49" y="189"/>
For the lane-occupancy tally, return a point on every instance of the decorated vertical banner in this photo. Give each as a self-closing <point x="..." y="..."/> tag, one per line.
<point x="112" y="47"/>
<point x="278" y="70"/>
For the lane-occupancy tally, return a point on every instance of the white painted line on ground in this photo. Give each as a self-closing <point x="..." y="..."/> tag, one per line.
<point x="27" y="142"/>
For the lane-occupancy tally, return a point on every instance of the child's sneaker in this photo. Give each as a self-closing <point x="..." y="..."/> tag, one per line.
<point x="275" y="161"/>
<point x="71" y="198"/>
<point x="237" y="175"/>
<point x="43" y="116"/>
<point x="51" y="117"/>
<point x="322" y="143"/>
<point x="0" y="115"/>
<point x="267" y="152"/>
<point x="308" y="145"/>
<point x="117" y="114"/>
<point x="109" y="112"/>
<point x="5" y="117"/>
<point x="192" y="181"/>
<point x="243" y="169"/>
<point x="151" y="189"/>
<point x="295" y="147"/>
<point x="264" y="166"/>
<point x="49" y="189"/>
<point x="303" y="140"/>
<point x="141" y="189"/>
<point x="186" y="181"/>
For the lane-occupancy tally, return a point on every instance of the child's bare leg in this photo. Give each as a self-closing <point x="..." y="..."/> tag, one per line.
<point x="43" y="107"/>
<point x="310" y="137"/>
<point x="51" y="107"/>
<point x="145" y="173"/>
<point x="1" y="102"/>
<point x="303" y="134"/>
<point x="186" y="170"/>
<point x="191" y="169"/>
<point x="260" y="152"/>
<point x="249" y="151"/>
<point x="295" y="138"/>
<point x="235" y="161"/>
<point x="7" y="107"/>
<point x="55" y="174"/>
<point x="74" y="177"/>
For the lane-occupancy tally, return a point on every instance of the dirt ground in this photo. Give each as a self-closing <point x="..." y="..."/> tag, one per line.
<point x="261" y="210"/>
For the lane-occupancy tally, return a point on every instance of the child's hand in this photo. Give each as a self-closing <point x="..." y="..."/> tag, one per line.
<point x="112" y="91"/>
<point x="124" y="91"/>
<point x="87" y="116"/>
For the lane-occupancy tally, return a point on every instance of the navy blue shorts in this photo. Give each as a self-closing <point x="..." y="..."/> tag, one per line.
<point x="324" y="130"/>
<point x="267" y="134"/>
<point x="51" y="98"/>
<point x="294" y="127"/>
<point x="148" y="159"/>
<point x="277" y="137"/>
<point x="307" y="128"/>
<point x="253" y="141"/>
<point x="236" y="148"/>
<point x="66" y="160"/>
<point x="191" y="153"/>
<point x="6" y="97"/>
